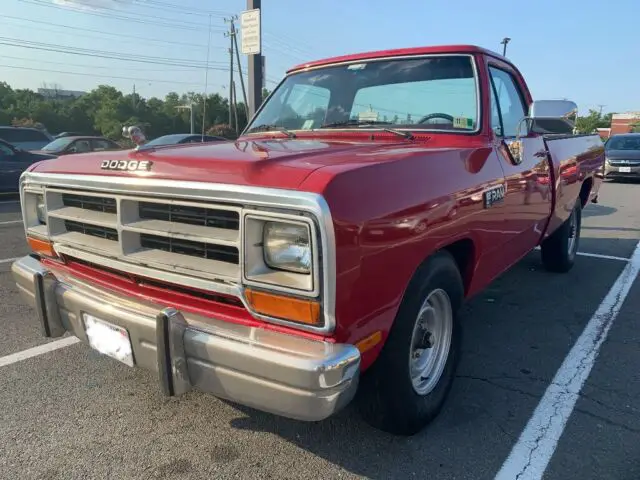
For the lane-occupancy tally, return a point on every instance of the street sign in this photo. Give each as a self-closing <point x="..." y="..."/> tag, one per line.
<point x="250" y="32"/>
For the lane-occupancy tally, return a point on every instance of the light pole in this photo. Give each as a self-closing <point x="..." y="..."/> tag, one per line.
<point x="504" y="42"/>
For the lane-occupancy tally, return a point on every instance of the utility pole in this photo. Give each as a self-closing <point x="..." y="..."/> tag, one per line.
<point x="231" y="45"/>
<point x="235" y="42"/>
<point x="190" y="107"/>
<point x="206" y="82"/>
<point x="504" y="42"/>
<point x="255" y="65"/>
<point x="235" y="104"/>
<point x="601" y="107"/>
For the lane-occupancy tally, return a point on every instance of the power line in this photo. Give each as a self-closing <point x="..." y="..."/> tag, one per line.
<point x="120" y="35"/>
<point x="170" y="7"/>
<point x="103" y="54"/>
<point x="137" y="79"/>
<point x="147" y="20"/>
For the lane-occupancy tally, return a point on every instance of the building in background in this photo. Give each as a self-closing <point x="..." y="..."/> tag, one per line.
<point x="624" y="122"/>
<point x="59" y="94"/>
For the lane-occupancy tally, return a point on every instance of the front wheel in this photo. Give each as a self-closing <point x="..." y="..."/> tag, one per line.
<point x="407" y="385"/>
<point x="560" y="249"/>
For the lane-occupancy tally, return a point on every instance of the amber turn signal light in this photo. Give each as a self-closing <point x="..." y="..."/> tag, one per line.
<point x="369" y="342"/>
<point x="42" y="247"/>
<point x="286" y="308"/>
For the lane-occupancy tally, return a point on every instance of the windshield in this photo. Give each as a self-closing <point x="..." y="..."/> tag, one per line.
<point x="57" y="144"/>
<point x="624" y="143"/>
<point x="435" y="93"/>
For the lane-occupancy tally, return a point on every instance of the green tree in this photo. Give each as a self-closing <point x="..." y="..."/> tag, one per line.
<point x="589" y="123"/>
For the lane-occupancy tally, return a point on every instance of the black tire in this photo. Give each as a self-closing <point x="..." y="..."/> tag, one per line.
<point x="386" y="397"/>
<point x="556" y="254"/>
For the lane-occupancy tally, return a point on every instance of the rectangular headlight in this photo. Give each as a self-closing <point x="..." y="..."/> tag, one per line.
<point x="287" y="247"/>
<point x="281" y="253"/>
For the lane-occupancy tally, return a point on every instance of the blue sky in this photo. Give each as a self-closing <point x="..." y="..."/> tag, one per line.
<point x="580" y="50"/>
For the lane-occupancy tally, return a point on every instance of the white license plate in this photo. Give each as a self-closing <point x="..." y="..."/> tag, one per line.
<point x="625" y="169"/>
<point x="108" y="339"/>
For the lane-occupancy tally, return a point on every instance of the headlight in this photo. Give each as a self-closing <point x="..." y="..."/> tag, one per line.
<point x="41" y="210"/>
<point x="287" y="247"/>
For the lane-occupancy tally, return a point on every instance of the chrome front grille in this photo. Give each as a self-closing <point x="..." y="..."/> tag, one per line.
<point x="625" y="163"/>
<point x="186" y="237"/>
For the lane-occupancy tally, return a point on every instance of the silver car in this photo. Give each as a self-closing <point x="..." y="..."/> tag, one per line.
<point x="622" y="156"/>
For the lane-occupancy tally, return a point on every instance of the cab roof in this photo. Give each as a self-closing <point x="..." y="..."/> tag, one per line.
<point x="469" y="49"/>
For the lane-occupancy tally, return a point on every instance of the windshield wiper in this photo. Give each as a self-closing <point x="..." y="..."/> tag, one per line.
<point x="272" y="127"/>
<point x="365" y="123"/>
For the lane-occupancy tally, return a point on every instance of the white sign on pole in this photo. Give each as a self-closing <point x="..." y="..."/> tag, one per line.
<point x="250" y="32"/>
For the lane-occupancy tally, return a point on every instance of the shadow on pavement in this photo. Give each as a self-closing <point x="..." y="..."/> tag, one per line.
<point x="517" y="333"/>
<point x="596" y="210"/>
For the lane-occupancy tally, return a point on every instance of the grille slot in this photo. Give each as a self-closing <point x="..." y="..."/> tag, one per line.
<point x="87" y="202"/>
<point x="221" y="253"/>
<point x="91" y="230"/>
<point x="190" y="215"/>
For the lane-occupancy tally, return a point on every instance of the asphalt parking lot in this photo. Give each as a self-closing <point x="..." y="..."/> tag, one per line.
<point x="71" y="413"/>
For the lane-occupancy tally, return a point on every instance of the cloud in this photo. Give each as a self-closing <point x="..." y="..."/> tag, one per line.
<point x="89" y="4"/>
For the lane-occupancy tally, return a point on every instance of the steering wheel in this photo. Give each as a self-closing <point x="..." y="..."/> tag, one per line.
<point x="436" y="115"/>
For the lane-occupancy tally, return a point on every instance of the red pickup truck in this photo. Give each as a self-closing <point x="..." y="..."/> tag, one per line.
<point x="329" y="248"/>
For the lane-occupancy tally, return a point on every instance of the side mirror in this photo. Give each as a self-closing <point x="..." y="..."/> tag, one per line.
<point x="553" y="116"/>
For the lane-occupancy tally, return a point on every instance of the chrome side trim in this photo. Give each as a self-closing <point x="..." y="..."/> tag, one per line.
<point x="250" y="196"/>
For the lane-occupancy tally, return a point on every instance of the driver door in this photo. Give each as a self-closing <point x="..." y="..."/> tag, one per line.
<point x="524" y="161"/>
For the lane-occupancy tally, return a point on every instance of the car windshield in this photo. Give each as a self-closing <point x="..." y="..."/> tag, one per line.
<point x="624" y="143"/>
<point x="57" y="144"/>
<point x="166" y="140"/>
<point x="437" y="92"/>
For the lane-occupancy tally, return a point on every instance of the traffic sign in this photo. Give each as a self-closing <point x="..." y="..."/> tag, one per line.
<point x="250" y="32"/>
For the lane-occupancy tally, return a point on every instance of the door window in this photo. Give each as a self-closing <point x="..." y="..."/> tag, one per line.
<point x="507" y="106"/>
<point x="100" y="145"/>
<point x="5" y="151"/>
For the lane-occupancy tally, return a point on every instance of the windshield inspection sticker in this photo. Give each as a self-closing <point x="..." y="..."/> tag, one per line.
<point x="308" y="124"/>
<point x="357" y="66"/>
<point x="462" y="122"/>
<point x="494" y="195"/>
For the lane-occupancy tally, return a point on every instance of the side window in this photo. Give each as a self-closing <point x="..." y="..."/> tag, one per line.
<point x="507" y="108"/>
<point x="5" y="151"/>
<point x="80" y="146"/>
<point x="100" y="145"/>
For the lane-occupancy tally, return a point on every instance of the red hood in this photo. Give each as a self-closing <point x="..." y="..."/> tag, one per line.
<point x="279" y="163"/>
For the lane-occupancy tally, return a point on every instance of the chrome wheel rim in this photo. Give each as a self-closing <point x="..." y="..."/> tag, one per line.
<point x="430" y="342"/>
<point x="573" y="233"/>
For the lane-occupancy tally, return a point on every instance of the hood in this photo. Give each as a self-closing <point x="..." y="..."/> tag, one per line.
<point x="277" y="163"/>
<point x="623" y="154"/>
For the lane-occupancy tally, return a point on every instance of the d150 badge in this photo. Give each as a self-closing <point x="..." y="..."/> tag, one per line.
<point x="126" y="165"/>
<point x="494" y="195"/>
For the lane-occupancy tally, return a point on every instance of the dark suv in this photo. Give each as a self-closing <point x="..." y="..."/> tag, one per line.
<point x="25" y="138"/>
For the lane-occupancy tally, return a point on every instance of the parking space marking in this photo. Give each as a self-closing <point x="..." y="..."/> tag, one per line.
<point x="599" y="255"/>
<point x="39" y="350"/>
<point x="606" y="257"/>
<point x="531" y="454"/>
<point x="11" y="222"/>
<point x="8" y="260"/>
<point x="9" y="201"/>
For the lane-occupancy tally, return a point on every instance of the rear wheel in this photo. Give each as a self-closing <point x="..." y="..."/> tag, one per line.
<point x="407" y="385"/>
<point x="560" y="249"/>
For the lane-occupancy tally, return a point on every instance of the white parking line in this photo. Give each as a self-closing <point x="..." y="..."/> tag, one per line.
<point x="39" y="350"/>
<point x="598" y="255"/>
<point x="11" y="222"/>
<point x="8" y="260"/>
<point x="606" y="257"/>
<point x="537" y="443"/>
<point x="9" y="201"/>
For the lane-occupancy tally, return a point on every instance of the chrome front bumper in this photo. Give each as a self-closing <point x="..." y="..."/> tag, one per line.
<point x="278" y="373"/>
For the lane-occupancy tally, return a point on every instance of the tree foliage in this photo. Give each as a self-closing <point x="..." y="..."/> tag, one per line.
<point x="589" y="123"/>
<point x="105" y="110"/>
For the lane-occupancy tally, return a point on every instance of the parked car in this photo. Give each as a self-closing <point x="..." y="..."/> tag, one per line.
<point x="180" y="138"/>
<point x="326" y="252"/>
<point x="25" y="138"/>
<point x="14" y="161"/>
<point x="622" y="156"/>
<point x="69" y="134"/>
<point x="83" y="144"/>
